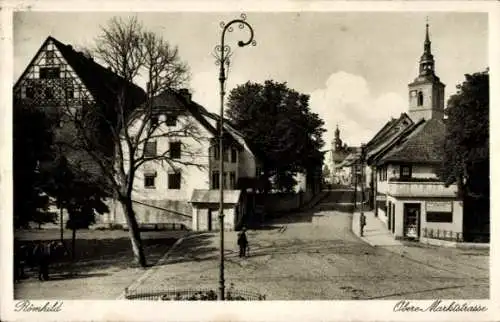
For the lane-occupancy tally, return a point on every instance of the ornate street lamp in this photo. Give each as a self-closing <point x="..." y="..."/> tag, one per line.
<point x="223" y="53"/>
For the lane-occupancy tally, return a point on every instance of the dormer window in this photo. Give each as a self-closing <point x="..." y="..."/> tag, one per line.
<point x="405" y="172"/>
<point x="154" y="120"/>
<point x="171" y="120"/>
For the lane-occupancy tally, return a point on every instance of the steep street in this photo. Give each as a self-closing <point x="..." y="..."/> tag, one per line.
<point x="315" y="255"/>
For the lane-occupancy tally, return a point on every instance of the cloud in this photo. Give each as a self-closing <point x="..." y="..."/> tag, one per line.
<point x="347" y="100"/>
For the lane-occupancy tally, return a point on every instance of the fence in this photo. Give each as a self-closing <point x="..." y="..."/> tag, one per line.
<point x="192" y="295"/>
<point x="442" y="234"/>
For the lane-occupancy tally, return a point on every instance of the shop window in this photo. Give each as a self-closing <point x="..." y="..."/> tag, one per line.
<point x="439" y="217"/>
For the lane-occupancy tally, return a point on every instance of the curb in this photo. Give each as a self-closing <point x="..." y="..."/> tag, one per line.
<point x="153" y="269"/>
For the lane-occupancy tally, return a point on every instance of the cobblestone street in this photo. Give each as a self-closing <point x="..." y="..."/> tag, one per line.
<point x="315" y="255"/>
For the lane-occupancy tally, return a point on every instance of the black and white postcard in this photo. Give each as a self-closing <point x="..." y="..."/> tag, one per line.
<point x="326" y="161"/>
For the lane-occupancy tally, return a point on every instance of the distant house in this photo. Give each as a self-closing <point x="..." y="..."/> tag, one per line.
<point x="186" y="190"/>
<point x="405" y="157"/>
<point x="339" y="153"/>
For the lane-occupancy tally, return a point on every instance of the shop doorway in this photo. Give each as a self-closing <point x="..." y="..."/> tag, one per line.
<point x="411" y="220"/>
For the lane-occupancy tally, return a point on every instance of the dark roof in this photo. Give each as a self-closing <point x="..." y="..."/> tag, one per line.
<point x="100" y="81"/>
<point x="390" y="132"/>
<point x="339" y="156"/>
<point x="172" y="99"/>
<point x="103" y="84"/>
<point x="423" y="145"/>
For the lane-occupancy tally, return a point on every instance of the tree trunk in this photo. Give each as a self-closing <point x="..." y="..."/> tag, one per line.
<point x="73" y="244"/>
<point x="134" y="233"/>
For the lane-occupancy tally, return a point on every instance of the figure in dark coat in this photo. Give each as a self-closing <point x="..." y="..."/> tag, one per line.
<point x="42" y="254"/>
<point x="242" y="242"/>
<point x="362" y="224"/>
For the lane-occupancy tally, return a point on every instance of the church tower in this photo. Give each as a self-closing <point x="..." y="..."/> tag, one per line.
<point x="337" y="141"/>
<point x="426" y="92"/>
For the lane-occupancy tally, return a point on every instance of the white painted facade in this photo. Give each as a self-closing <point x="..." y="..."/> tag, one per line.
<point x="161" y="203"/>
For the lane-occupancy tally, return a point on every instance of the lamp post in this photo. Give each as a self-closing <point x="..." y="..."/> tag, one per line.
<point x="222" y="56"/>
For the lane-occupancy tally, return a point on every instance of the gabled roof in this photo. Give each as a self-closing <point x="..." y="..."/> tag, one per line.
<point x="101" y="82"/>
<point x="387" y="135"/>
<point x="423" y="145"/>
<point x="174" y="99"/>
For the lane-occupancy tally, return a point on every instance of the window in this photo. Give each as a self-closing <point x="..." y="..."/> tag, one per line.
<point x="234" y="155"/>
<point x="226" y="155"/>
<point x="224" y="181"/>
<point x="232" y="180"/>
<point x="154" y="120"/>
<point x="49" y="94"/>
<point x="405" y="171"/>
<point x="30" y="92"/>
<point x="70" y="93"/>
<point x="420" y="99"/>
<point x="175" y="150"/>
<point x="49" y="57"/>
<point x="215" y="180"/>
<point x="52" y="72"/>
<point x="216" y="153"/>
<point x="171" y="120"/>
<point x="439" y="217"/>
<point x="149" y="181"/>
<point x="174" y="180"/>
<point x="150" y="149"/>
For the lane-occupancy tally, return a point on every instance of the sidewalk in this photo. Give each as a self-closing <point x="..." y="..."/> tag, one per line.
<point x="375" y="232"/>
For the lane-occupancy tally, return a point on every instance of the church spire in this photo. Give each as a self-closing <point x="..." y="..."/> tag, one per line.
<point x="427" y="60"/>
<point x="337" y="141"/>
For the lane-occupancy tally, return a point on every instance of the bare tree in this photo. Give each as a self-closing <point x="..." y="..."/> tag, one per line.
<point x="132" y="53"/>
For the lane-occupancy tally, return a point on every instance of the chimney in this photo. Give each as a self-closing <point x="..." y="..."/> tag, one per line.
<point x="186" y="94"/>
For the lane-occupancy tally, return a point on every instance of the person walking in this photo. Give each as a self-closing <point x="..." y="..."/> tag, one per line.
<point x="362" y="224"/>
<point x="242" y="242"/>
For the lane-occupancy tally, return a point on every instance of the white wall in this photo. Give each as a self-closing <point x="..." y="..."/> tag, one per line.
<point x="455" y="226"/>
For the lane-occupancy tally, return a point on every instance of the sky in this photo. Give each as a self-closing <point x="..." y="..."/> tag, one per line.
<point x="354" y="65"/>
